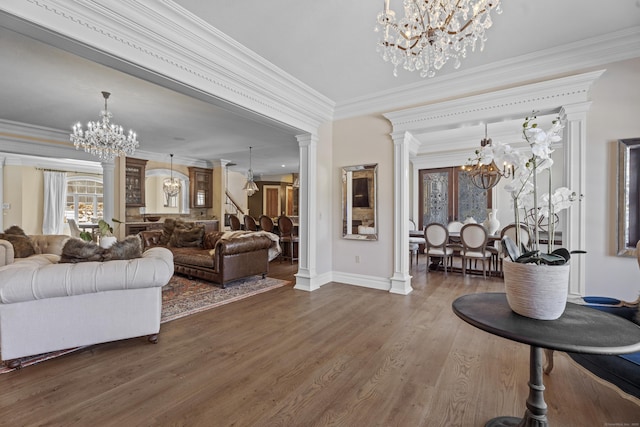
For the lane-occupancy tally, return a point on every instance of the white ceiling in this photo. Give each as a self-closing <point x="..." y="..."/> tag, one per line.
<point x="329" y="45"/>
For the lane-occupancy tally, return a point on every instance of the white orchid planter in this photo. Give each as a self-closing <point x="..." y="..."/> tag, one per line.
<point x="536" y="291"/>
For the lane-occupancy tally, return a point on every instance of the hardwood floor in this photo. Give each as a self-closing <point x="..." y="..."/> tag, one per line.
<point x="339" y="356"/>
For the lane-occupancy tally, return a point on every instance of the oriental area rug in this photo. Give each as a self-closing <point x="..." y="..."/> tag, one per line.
<point x="183" y="297"/>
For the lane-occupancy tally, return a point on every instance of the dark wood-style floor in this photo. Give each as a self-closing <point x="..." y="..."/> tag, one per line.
<point x="339" y="356"/>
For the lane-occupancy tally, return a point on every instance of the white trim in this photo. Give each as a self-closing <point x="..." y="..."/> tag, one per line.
<point x="181" y="49"/>
<point x="371" y="282"/>
<point x="184" y="182"/>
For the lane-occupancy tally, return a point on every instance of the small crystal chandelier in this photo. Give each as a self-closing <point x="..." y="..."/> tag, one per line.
<point x="432" y="32"/>
<point x="250" y="187"/>
<point x="487" y="176"/>
<point x="171" y="186"/>
<point x="103" y="139"/>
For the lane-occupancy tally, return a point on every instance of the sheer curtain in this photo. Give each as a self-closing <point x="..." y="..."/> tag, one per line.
<point x="55" y="195"/>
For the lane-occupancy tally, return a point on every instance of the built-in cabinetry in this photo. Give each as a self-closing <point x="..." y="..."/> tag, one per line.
<point x="201" y="187"/>
<point x="134" y="182"/>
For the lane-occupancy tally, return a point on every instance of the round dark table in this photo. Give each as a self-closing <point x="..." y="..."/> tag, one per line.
<point x="580" y="329"/>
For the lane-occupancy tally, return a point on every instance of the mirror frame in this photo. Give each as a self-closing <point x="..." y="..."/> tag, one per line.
<point x="370" y="186"/>
<point x="628" y="196"/>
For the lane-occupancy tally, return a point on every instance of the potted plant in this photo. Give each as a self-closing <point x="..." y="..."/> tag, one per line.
<point x="536" y="282"/>
<point x="105" y="231"/>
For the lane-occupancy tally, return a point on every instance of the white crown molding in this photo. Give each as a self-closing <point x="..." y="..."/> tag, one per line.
<point x="568" y="58"/>
<point x="545" y="97"/>
<point x="162" y="38"/>
<point x="69" y="165"/>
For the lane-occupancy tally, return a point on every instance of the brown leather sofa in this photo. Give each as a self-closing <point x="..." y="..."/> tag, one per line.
<point x="217" y="259"/>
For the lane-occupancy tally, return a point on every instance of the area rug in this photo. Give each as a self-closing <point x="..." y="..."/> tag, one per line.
<point x="183" y="297"/>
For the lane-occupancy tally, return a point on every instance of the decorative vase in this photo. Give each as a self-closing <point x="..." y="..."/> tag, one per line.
<point x="491" y="224"/>
<point x="536" y="291"/>
<point x="107" y="241"/>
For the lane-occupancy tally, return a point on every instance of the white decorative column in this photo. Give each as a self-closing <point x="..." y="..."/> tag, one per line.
<point x="306" y="278"/>
<point x="2" y="160"/>
<point x="109" y="191"/>
<point x="575" y="134"/>
<point x="401" y="279"/>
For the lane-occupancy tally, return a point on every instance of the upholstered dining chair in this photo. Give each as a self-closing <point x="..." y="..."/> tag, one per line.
<point x="414" y="242"/>
<point x="266" y="223"/>
<point x="474" y="241"/>
<point x="436" y="237"/>
<point x="287" y="237"/>
<point x="510" y="230"/>
<point x="250" y="223"/>
<point x="234" y="222"/>
<point x="73" y="227"/>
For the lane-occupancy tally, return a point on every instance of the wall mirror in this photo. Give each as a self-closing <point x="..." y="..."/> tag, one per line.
<point x="156" y="201"/>
<point x="359" y="200"/>
<point x="628" y="196"/>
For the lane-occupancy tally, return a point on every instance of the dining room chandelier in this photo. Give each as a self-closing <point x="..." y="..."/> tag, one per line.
<point x="250" y="186"/>
<point x="171" y="186"/>
<point x="104" y="139"/>
<point x="486" y="176"/>
<point x="432" y="32"/>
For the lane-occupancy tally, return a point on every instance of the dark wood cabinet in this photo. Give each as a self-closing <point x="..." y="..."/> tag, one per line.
<point x="200" y="187"/>
<point x="134" y="182"/>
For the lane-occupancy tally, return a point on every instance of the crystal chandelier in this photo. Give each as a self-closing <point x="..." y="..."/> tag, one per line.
<point x="171" y="186"/>
<point x="432" y="32"/>
<point x="487" y="176"/>
<point x="250" y="187"/>
<point x="103" y="139"/>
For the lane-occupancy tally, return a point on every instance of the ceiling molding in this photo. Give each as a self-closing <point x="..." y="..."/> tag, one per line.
<point x="179" y="47"/>
<point x="568" y="58"/>
<point x="545" y="97"/>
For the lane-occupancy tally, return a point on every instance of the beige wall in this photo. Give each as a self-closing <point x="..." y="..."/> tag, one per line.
<point x="24" y="191"/>
<point x="364" y="140"/>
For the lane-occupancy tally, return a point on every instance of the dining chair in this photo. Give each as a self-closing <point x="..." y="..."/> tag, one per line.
<point x="414" y="242"/>
<point x="250" y="223"/>
<point x="266" y="223"/>
<point x="510" y="230"/>
<point x="234" y="222"/>
<point x="73" y="227"/>
<point x="287" y="237"/>
<point x="474" y="241"/>
<point x="436" y="237"/>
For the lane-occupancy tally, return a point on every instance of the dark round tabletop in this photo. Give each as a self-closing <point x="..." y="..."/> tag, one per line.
<point x="580" y="329"/>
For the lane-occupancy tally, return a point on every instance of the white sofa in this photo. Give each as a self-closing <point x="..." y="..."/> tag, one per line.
<point x="48" y="306"/>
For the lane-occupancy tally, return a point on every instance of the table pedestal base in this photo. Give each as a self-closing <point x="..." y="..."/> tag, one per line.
<point x="503" y="422"/>
<point x="536" y="413"/>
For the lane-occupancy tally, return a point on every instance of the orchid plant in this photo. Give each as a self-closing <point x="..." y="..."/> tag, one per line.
<point x="526" y="168"/>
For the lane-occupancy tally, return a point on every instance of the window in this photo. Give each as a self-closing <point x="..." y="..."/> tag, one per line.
<point x="84" y="198"/>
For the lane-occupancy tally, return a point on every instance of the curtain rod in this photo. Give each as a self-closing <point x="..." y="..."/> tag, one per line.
<point x="59" y="170"/>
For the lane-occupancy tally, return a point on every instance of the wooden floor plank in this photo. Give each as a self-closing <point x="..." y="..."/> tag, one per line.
<point x="339" y="356"/>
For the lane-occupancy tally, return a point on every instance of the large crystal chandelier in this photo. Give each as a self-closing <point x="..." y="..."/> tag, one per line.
<point x="103" y="139"/>
<point x="171" y="186"/>
<point x="250" y="187"/>
<point x="432" y="32"/>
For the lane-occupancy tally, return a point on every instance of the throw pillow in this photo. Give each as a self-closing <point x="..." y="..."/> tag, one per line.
<point x="14" y="229"/>
<point x="187" y="237"/>
<point x="167" y="231"/>
<point x="77" y="250"/>
<point x="129" y="248"/>
<point x="22" y="245"/>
